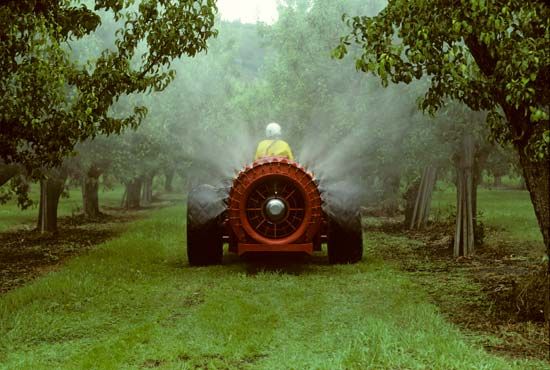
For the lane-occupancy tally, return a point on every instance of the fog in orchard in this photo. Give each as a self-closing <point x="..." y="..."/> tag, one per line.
<point x="360" y="139"/>
<point x="337" y="121"/>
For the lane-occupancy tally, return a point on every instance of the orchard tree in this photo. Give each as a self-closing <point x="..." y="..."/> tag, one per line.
<point x="135" y="163"/>
<point x="49" y="102"/>
<point x="184" y="121"/>
<point x="492" y="56"/>
<point x="94" y="158"/>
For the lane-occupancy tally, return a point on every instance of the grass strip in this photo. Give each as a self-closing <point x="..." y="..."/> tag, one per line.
<point x="134" y="302"/>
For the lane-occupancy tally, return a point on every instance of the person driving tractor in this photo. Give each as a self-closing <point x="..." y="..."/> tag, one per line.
<point x="273" y="146"/>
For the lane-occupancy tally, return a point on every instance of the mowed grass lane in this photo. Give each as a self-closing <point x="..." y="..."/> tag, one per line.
<point x="134" y="302"/>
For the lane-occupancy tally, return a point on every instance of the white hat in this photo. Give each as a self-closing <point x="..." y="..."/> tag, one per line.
<point x="273" y="130"/>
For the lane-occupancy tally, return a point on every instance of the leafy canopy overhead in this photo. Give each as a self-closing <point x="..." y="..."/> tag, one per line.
<point x="490" y="55"/>
<point x="49" y="102"/>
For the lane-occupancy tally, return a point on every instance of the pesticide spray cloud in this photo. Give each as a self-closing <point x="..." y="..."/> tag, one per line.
<point x="341" y="161"/>
<point x="340" y="156"/>
<point x="217" y="158"/>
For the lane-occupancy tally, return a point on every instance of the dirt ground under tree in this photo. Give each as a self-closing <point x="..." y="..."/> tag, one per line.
<point x="26" y="254"/>
<point x="496" y="296"/>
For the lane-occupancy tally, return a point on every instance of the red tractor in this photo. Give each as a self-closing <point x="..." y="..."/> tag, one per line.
<point x="273" y="206"/>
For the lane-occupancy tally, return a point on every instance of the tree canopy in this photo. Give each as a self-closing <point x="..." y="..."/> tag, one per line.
<point x="492" y="56"/>
<point x="49" y="102"/>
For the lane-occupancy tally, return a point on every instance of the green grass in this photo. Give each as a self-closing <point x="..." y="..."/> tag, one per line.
<point x="510" y="212"/>
<point x="134" y="302"/>
<point x="506" y="181"/>
<point x="11" y="215"/>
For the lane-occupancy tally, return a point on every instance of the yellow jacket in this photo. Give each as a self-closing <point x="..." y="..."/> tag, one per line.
<point x="273" y="148"/>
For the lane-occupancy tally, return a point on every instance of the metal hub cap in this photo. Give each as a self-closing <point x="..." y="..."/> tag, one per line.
<point x="275" y="209"/>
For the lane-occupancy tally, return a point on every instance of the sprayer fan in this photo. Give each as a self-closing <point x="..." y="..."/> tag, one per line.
<point x="272" y="191"/>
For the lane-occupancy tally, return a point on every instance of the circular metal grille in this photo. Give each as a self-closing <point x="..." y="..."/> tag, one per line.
<point x="280" y="188"/>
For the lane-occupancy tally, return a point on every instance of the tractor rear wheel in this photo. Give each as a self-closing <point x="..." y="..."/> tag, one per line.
<point x="204" y="234"/>
<point x="344" y="234"/>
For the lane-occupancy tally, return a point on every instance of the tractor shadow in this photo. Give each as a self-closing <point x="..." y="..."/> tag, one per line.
<point x="280" y="263"/>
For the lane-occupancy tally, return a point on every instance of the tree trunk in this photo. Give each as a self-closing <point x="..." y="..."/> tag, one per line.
<point x="90" y="193"/>
<point x="410" y="200"/>
<point x="537" y="179"/>
<point x="168" y="180"/>
<point x="147" y="191"/>
<point x="480" y="159"/>
<point x="536" y="174"/>
<point x="423" y="199"/>
<point x="498" y="181"/>
<point x="391" y="194"/>
<point x="464" y="232"/>
<point x="50" y="190"/>
<point x="133" y="194"/>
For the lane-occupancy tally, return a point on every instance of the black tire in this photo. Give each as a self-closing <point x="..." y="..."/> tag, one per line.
<point x="204" y="233"/>
<point x="344" y="234"/>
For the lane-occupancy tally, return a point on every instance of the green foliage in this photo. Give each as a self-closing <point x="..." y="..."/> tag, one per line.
<point x="49" y="102"/>
<point x="304" y="90"/>
<point x="492" y="56"/>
